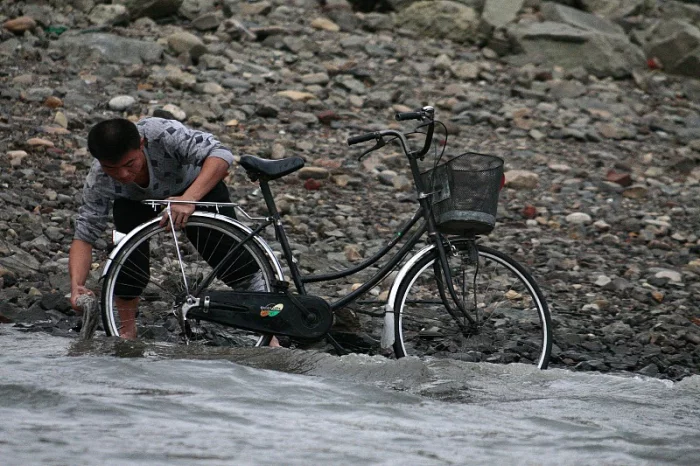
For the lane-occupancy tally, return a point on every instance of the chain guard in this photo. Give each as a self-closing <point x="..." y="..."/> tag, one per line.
<point x="271" y="313"/>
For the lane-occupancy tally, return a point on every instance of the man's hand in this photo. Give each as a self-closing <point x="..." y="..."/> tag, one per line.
<point x="180" y="212"/>
<point x="76" y="292"/>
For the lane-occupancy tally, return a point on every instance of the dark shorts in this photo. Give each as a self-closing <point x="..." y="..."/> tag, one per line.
<point x="135" y="273"/>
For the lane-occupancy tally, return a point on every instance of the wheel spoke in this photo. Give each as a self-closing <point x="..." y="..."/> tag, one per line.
<point x="148" y="267"/>
<point x="512" y="322"/>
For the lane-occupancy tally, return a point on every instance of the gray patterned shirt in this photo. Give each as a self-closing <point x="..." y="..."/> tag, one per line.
<point x="174" y="154"/>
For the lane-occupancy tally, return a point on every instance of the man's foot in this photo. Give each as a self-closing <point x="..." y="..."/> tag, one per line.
<point x="127" y="309"/>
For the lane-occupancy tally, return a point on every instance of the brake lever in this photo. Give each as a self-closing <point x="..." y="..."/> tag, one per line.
<point x="380" y="143"/>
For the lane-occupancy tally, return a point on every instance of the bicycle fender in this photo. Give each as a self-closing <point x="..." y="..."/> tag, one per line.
<point x="235" y="224"/>
<point x="388" y="332"/>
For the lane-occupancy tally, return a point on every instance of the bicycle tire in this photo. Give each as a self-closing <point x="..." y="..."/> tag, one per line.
<point x="505" y="290"/>
<point x="165" y="284"/>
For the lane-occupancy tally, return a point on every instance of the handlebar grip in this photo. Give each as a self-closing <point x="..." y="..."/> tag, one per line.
<point x="401" y="116"/>
<point x="362" y="138"/>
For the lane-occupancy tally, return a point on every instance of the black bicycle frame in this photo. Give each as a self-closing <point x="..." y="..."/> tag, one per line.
<point x="299" y="279"/>
<point x="428" y="225"/>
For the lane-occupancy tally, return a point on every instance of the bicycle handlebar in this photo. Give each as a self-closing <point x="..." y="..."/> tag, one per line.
<point x="425" y="113"/>
<point x="402" y="116"/>
<point x="363" y="138"/>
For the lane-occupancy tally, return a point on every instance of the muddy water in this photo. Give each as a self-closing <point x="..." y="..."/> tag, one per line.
<point x="110" y="402"/>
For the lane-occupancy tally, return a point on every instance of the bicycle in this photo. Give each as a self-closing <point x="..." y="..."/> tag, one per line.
<point x="453" y="298"/>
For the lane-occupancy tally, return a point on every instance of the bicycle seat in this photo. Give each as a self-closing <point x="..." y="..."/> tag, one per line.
<point x="270" y="169"/>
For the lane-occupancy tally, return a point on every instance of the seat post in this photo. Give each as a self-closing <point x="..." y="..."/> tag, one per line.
<point x="269" y="199"/>
<point x="281" y="235"/>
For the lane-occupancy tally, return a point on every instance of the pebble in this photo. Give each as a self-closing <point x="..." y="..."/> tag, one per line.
<point x="635" y="192"/>
<point x="20" y="24"/>
<point x="121" y="103"/>
<point x="603" y="281"/>
<point x="40" y="142"/>
<point x="521" y="179"/>
<point x="579" y="218"/>
<point x="670" y="274"/>
<point x="325" y="24"/>
<point x="601" y="225"/>
<point x="316" y="173"/>
<point x="607" y="167"/>
<point x="61" y="119"/>
<point x="176" y="112"/>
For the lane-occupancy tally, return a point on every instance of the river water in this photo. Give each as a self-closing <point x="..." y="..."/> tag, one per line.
<point x="109" y="402"/>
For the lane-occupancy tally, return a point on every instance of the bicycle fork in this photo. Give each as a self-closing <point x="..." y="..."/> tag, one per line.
<point x="446" y="286"/>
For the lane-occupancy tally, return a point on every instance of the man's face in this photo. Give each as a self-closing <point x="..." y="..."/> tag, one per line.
<point x="128" y="168"/>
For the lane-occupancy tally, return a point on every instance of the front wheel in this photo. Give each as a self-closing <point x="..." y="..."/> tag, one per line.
<point x="511" y="321"/>
<point x="151" y="276"/>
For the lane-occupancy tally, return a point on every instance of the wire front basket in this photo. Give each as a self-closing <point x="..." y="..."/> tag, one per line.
<point x="465" y="193"/>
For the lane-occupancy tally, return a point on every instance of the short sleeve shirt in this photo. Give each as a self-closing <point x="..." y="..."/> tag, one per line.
<point x="174" y="155"/>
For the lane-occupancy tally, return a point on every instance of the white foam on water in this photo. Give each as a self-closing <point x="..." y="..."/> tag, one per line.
<point x="196" y="406"/>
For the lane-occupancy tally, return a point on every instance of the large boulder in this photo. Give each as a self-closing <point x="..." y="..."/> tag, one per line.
<point x="110" y="48"/>
<point x="577" y="18"/>
<point x="676" y="44"/>
<point x="672" y="9"/>
<point x="441" y="19"/>
<point x="615" y="9"/>
<point x="398" y="5"/>
<point x="601" y="54"/>
<point x="498" y="13"/>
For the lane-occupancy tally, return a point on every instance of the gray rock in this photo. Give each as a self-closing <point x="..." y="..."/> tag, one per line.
<point x="10" y="46"/>
<point x="579" y="19"/>
<point x="579" y="218"/>
<point x="559" y="44"/>
<point x="498" y="13"/>
<point x="685" y="11"/>
<point x="109" y="15"/>
<point x="42" y="14"/>
<point x="21" y="263"/>
<point x="441" y="19"/>
<point x="521" y="179"/>
<point x="195" y="9"/>
<point x="186" y="42"/>
<point x="206" y="22"/>
<point x="110" y="48"/>
<point x="677" y="44"/>
<point x="614" y="9"/>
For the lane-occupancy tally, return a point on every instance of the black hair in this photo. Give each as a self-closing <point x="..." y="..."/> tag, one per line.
<point x="110" y="140"/>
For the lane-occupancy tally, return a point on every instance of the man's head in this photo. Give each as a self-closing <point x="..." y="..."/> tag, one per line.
<point x="118" y="146"/>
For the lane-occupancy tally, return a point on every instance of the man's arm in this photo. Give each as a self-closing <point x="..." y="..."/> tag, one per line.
<point x="213" y="170"/>
<point x="79" y="262"/>
<point x="90" y="223"/>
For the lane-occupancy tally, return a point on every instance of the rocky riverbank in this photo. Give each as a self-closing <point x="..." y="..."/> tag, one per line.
<point x="595" y="116"/>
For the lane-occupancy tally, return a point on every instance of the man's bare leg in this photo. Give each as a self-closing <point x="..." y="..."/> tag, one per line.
<point x="127" y="315"/>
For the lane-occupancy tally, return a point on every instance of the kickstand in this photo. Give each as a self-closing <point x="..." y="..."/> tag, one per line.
<point x="338" y="349"/>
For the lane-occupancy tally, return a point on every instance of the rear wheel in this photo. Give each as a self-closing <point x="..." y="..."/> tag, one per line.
<point x="146" y="277"/>
<point x="512" y="321"/>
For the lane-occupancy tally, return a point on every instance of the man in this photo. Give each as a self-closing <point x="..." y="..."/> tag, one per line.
<point x="152" y="159"/>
